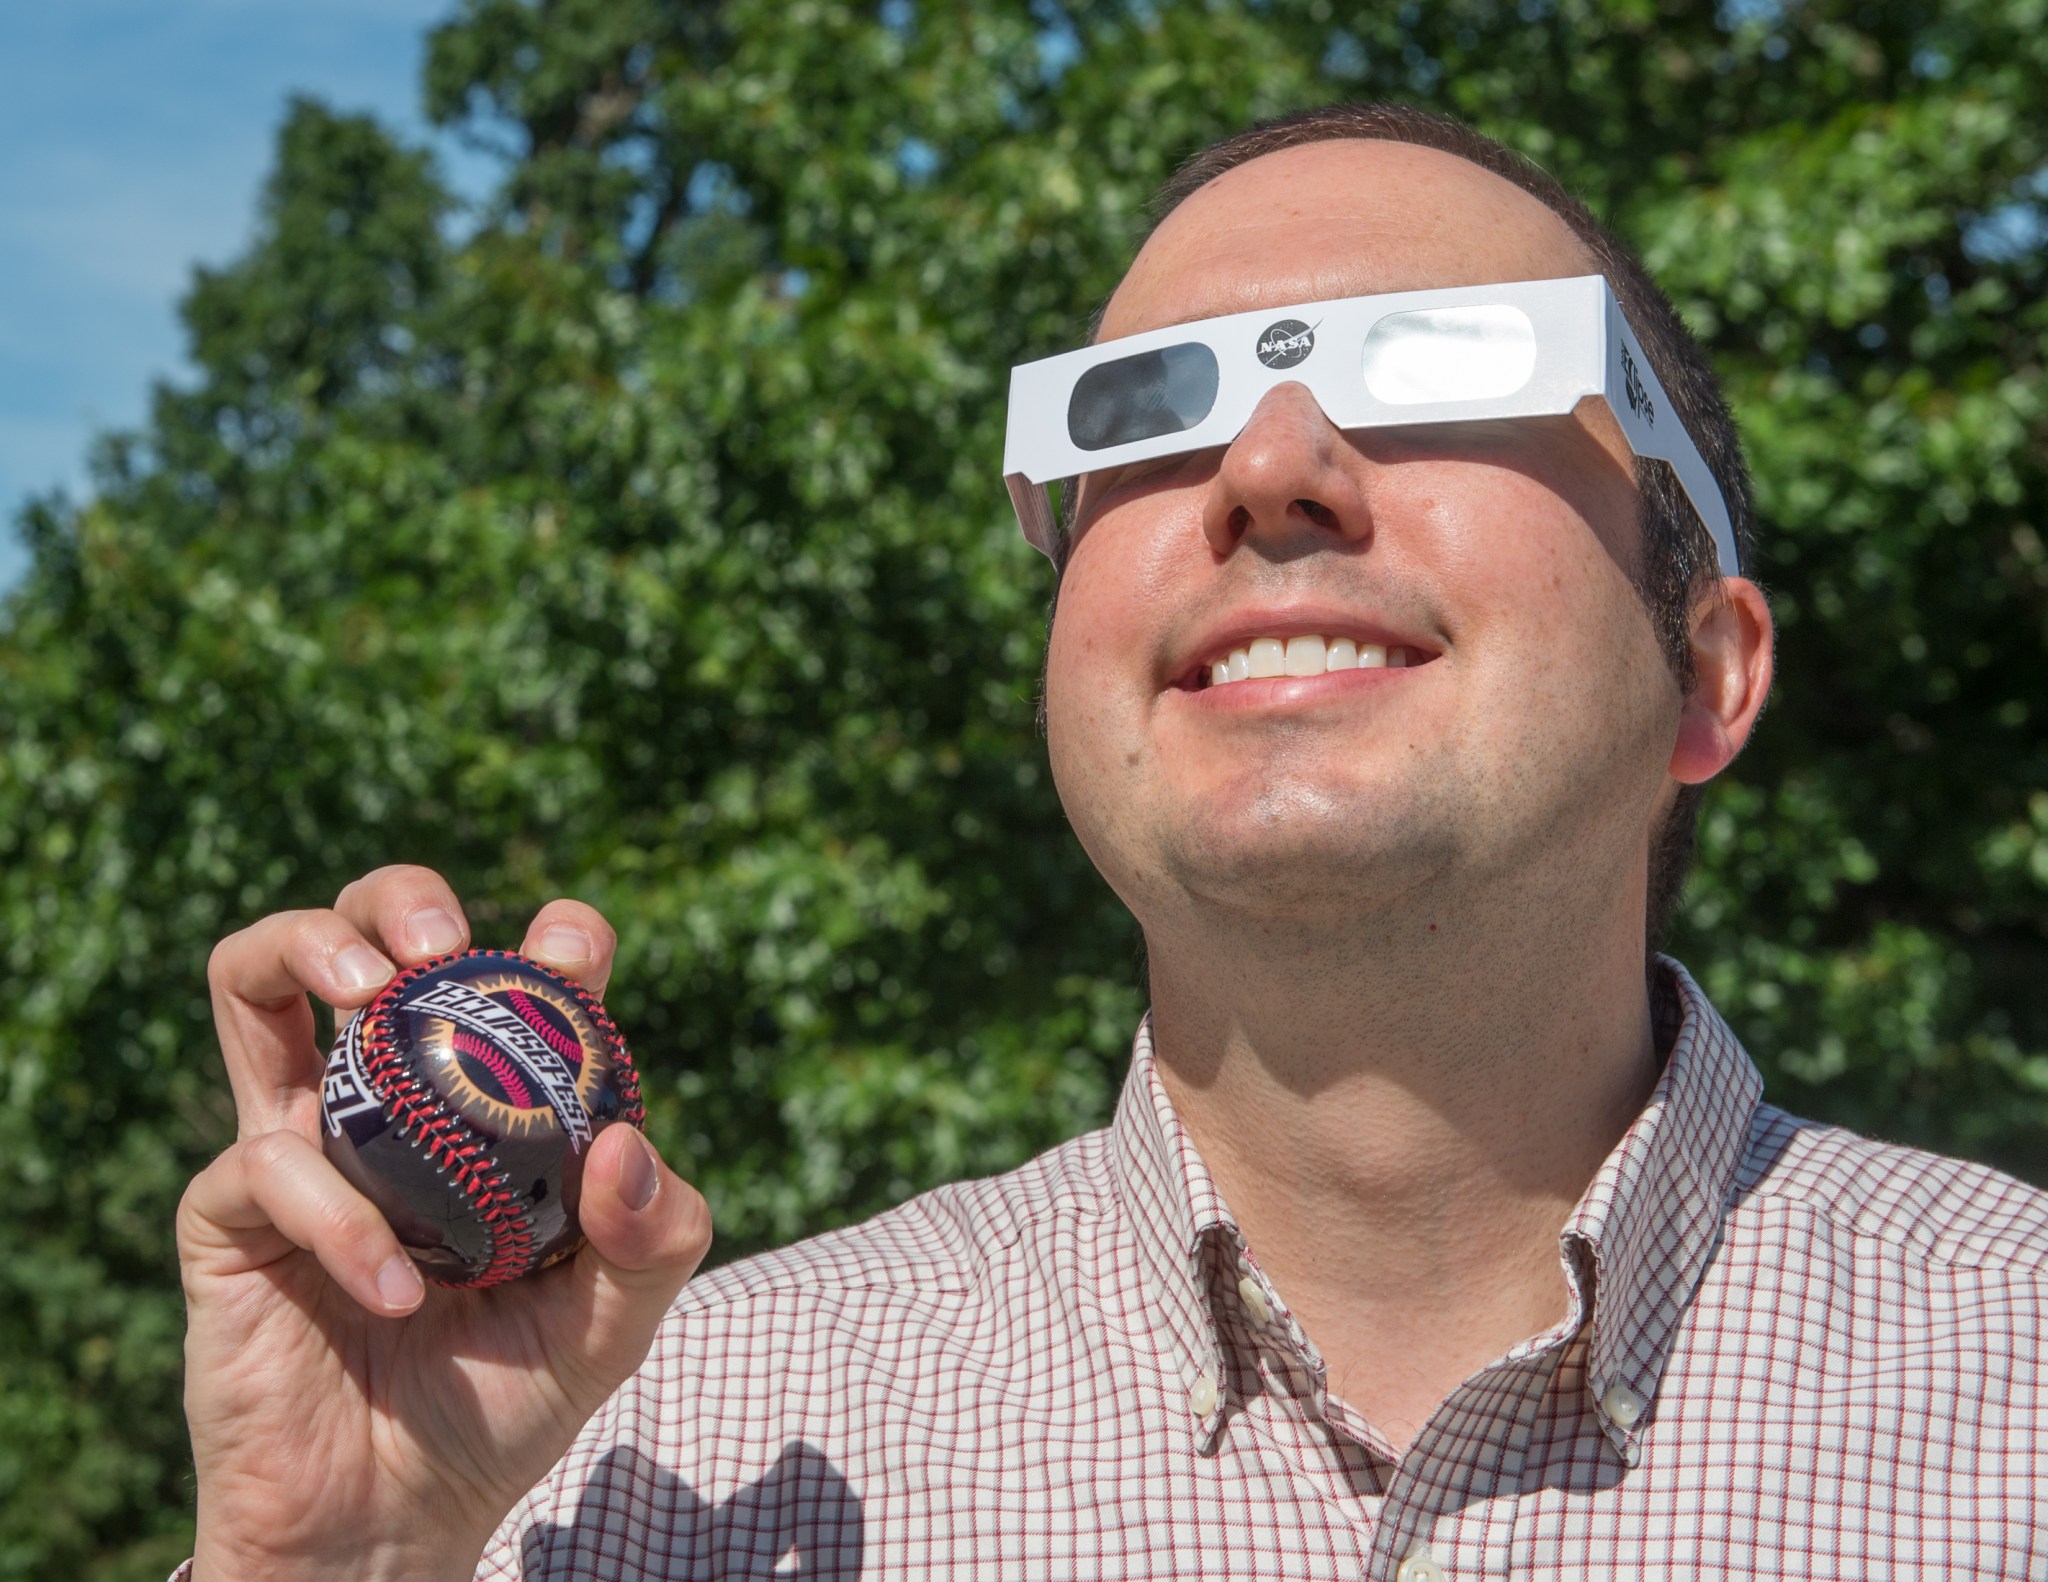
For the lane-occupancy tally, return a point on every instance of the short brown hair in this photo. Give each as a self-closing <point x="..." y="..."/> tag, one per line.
<point x="1678" y="563"/>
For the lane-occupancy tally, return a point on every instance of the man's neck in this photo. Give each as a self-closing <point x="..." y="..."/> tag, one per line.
<point x="1401" y="1118"/>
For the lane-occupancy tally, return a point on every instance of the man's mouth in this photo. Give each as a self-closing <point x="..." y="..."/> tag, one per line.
<point x="1305" y="655"/>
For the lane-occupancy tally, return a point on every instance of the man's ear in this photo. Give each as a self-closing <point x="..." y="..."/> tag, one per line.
<point x="1732" y="636"/>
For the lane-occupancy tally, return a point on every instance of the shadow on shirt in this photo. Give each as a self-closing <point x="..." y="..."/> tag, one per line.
<point x="800" y="1518"/>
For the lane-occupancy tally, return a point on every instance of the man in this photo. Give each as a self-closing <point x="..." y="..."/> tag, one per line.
<point x="1433" y="1237"/>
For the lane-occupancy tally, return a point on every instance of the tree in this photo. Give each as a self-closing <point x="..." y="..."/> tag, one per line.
<point x="639" y="538"/>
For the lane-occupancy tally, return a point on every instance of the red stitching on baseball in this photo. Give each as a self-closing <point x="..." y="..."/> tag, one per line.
<point x="631" y="1109"/>
<point x="487" y="1055"/>
<point x="532" y="1015"/>
<point x="454" y="1150"/>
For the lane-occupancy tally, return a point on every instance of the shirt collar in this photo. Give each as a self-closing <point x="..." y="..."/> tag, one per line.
<point x="1650" y="1221"/>
<point x="1174" y="1206"/>
<point x="1633" y="1249"/>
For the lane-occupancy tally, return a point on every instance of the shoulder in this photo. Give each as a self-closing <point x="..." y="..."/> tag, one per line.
<point x="954" y="1238"/>
<point x="1923" y="1207"/>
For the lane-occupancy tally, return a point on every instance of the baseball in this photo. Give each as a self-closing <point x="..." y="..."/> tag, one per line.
<point x="463" y="1100"/>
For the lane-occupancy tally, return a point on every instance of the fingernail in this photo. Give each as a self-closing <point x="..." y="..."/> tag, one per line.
<point x="398" y="1283"/>
<point x="559" y="942"/>
<point x="360" y="967"/>
<point x="433" y="931"/>
<point x="639" y="1176"/>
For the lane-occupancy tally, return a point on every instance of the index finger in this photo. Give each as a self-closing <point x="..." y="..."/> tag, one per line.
<point x="259" y="979"/>
<point x="411" y="912"/>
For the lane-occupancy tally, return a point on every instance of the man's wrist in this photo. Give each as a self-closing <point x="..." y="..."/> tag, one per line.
<point x="223" y="1562"/>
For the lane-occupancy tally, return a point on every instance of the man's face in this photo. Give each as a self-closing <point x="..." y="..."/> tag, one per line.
<point x="1529" y="734"/>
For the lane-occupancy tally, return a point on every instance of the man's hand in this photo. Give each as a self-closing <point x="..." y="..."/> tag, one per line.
<point x="346" y="1419"/>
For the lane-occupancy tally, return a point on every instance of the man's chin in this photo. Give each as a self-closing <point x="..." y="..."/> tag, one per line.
<point x="1309" y="879"/>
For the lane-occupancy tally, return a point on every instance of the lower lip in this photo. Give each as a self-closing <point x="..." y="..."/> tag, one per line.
<point x="1269" y="692"/>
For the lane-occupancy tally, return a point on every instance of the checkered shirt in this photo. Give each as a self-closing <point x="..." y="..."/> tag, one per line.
<point x="1790" y="1351"/>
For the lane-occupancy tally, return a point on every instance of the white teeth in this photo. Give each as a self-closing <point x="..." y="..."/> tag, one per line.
<point x="1307" y="655"/>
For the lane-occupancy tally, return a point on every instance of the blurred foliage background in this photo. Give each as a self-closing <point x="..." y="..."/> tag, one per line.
<point x="638" y="536"/>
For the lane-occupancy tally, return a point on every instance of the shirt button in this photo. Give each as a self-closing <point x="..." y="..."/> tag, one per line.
<point x="1418" y="1567"/>
<point x="1202" y="1395"/>
<point x="1623" y="1405"/>
<point x="1254" y="1300"/>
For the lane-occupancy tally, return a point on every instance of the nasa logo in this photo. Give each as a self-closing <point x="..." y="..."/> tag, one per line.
<point x="1286" y="343"/>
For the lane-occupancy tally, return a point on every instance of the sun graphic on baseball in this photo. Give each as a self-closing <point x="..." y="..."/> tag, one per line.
<point x="538" y="1069"/>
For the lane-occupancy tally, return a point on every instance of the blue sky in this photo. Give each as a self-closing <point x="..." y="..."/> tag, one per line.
<point x="136" y="134"/>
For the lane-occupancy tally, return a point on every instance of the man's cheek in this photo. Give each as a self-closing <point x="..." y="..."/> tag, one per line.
<point x="1070" y="729"/>
<point x="1090" y="745"/>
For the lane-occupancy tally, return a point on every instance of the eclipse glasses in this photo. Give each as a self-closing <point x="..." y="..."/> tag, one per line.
<point x="1534" y="348"/>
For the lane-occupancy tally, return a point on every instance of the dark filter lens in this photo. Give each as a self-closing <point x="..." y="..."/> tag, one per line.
<point x="1167" y="391"/>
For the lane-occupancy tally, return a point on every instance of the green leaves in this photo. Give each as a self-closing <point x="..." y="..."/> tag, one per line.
<point x="639" y="538"/>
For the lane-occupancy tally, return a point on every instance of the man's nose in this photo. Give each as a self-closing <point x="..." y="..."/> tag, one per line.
<point x="1289" y="470"/>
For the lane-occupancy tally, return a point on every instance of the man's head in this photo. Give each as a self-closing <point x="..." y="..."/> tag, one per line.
<point x="1558" y="590"/>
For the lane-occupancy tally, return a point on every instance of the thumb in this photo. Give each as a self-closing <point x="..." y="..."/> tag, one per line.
<point x="647" y="1231"/>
